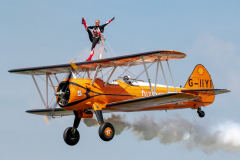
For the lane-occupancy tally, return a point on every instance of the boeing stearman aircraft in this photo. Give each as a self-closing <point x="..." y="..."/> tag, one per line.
<point x="82" y="94"/>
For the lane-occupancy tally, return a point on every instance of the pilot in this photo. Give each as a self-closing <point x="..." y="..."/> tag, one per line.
<point x="95" y="35"/>
<point x="127" y="80"/>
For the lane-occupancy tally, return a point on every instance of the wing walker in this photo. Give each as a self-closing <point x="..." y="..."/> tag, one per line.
<point x="82" y="94"/>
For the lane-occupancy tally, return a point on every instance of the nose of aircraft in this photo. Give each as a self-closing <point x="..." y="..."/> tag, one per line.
<point x="63" y="94"/>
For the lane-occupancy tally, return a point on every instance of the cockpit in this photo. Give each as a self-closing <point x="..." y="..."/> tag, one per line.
<point x="126" y="79"/>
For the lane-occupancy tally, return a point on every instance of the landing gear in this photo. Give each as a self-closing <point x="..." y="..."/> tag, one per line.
<point x="201" y="113"/>
<point x="71" y="135"/>
<point x="106" y="130"/>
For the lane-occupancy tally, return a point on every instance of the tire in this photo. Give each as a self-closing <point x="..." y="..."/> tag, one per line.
<point x="106" y="131"/>
<point x="69" y="138"/>
<point x="201" y="114"/>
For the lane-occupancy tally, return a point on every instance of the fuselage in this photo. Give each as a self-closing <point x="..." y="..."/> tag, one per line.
<point x="83" y="95"/>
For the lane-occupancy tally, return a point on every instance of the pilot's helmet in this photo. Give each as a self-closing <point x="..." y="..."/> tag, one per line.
<point x="126" y="77"/>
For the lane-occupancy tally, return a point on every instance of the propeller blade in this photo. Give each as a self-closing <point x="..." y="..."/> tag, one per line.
<point x="67" y="82"/>
<point x="74" y="66"/>
<point x="47" y="117"/>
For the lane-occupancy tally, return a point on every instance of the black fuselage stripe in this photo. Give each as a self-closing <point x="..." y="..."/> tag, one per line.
<point x="99" y="94"/>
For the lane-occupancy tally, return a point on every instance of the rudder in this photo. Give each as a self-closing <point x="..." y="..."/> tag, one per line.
<point x="199" y="79"/>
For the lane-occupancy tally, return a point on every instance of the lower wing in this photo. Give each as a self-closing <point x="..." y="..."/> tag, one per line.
<point x="129" y="105"/>
<point x="152" y="101"/>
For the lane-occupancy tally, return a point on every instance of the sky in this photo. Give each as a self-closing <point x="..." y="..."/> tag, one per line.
<point x="35" y="33"/>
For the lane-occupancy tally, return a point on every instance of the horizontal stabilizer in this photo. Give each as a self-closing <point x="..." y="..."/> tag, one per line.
<point x="152" y="101"/>
<point x="206" y="91"/>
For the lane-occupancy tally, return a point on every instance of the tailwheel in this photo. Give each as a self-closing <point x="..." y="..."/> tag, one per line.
<point x="71" y="136"/>
<point x="106" y="131"/>
<point x="201" y="113"/>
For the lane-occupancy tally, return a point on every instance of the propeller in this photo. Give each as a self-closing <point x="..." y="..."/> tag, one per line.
<point x="60" y="94"/>
<point x="48" y="116"/>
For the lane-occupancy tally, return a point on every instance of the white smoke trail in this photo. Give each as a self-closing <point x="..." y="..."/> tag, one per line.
<point x="212" y="137"/>
<point x="207" y="136"/>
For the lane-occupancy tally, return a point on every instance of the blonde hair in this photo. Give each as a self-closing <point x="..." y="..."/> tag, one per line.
<point x="97" y="20"/>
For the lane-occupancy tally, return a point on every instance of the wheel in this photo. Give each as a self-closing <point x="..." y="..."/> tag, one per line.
<point x="70" y="138"/>
<point x="106" y="131"/>
<point x="201" y="114"/>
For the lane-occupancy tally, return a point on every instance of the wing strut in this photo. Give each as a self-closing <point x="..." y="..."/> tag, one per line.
<point x="73" y="74"/>
<point x="56" y="78"/>
<point x="54" y="90"/>
<point x="95" y="74"/>
<point x="156" y="77"/>
<point x="88" y="73"/>
<point x="147" y="75"/>
<point x="47" y="75"/>
<point x="171" y="76"/>
<point x="110" y="75"/>
<point x="163" y="73"/>
<point x="38" y="90"/>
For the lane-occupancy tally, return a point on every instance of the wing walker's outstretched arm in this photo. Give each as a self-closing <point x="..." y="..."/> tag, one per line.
<point x="91" y="27"/>
<point x="102" y="26"/>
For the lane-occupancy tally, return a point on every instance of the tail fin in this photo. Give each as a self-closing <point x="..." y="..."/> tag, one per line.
<point x="199" y="79"/>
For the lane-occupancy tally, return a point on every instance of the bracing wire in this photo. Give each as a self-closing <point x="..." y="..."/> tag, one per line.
<point x="80" y="55"/>
<point x="38" y="76"/>
<point x="110" y="47"/>
<point x="128" y="86"/>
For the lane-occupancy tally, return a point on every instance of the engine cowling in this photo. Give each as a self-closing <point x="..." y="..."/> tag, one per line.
<point x="62" y="97"/>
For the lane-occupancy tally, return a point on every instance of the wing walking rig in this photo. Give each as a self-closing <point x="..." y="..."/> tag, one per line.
<point x="88" y="95"/>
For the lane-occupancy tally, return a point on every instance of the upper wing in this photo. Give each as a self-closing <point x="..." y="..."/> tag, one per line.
<point x="152" y="101"/>
<point x="126" y="60"/>
<point x="206" y="91"/>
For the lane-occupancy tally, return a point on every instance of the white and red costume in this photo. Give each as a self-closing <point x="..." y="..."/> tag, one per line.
<point x="95" y="35"/>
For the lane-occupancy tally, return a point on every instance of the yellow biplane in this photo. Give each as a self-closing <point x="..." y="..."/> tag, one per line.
<point x="85" y="95"/>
